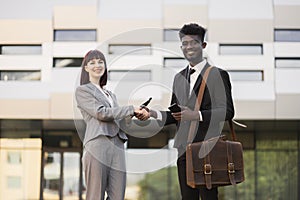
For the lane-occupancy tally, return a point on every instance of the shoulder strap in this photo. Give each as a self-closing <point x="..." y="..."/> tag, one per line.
<point x="202" y="88"/>
<point x="197" y="107"/>
<point x="198" y="104"/>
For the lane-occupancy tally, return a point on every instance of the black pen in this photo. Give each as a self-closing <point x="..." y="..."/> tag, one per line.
<point x="146" y="103"/>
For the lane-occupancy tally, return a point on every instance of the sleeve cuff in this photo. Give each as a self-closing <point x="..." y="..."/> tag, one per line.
<point x="200" y="117"/>
<point x="158" y="114"/>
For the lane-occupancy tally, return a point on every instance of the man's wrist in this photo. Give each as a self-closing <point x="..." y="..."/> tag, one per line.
<point x="196" y="114"/>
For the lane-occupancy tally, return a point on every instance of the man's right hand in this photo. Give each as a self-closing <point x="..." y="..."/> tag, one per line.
<point x="186" y="114"/>
<point x="141" y="113"/>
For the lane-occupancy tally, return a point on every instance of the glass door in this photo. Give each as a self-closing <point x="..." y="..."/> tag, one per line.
<point x="71" y="175"/>
<point x="61" y="174"/>
<point x="52" y="175"/>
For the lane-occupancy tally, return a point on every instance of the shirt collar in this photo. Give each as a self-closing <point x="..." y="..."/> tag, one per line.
<point x="199" y="66"/>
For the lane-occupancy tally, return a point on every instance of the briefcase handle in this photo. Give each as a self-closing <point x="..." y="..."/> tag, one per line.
<point x="197" y="107"/>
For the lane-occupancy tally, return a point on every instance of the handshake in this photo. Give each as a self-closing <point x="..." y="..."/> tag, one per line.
<point x="143" y="113"/>
<point x="179" y="113"/>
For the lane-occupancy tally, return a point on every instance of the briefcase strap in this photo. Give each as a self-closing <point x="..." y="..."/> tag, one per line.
<point x="207" y="167"/>
<point x="230" y="163"/>
<point x="232" y="131"/>
<point x="198" y="104"/>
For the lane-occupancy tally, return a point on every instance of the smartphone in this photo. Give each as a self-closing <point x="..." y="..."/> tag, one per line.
<point x="174" y="108"/>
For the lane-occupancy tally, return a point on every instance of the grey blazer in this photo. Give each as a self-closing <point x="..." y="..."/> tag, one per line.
<point x="100" y="117"/>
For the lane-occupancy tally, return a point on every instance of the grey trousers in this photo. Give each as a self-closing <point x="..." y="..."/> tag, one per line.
<point x="104" y="167"/>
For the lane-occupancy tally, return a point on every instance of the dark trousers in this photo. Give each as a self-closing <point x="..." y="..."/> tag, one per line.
<point x="189" y="193"/>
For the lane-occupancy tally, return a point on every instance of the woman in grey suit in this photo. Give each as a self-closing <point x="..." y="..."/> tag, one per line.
<point x="103" y="154"/>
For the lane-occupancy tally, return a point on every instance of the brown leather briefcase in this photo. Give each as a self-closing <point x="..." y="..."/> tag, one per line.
<point x="213" y="162"/>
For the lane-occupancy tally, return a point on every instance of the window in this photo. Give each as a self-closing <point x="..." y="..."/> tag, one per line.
<point x="287" y="62"/>
<point x="34" y="75"/>
<point x="129" y="75"/>
<point x="60" y="139"/>
<point x="67" y="62"/>
<point x="75" y="35"/>
<point x="20" y="128"/>
<point x="171" y="35"/>
<point x="13" y="182"/>
<point x="240" y="49"/>
<point x="20" y="49"/>
<point x="246" y="75"/>
<point x="287" y="35"/>
<point x="130" y="49"/>
<point x="175" y="62"/>
<point x="14" y="157"/>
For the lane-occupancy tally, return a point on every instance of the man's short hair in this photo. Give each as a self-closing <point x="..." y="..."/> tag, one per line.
<point x="192" y="29"/>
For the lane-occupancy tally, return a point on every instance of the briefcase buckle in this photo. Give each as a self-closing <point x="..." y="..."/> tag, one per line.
<point x="231" y="168"/>
<point x="207" y="169"/>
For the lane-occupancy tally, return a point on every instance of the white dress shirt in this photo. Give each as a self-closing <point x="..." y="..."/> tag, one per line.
<point x="193" y="78"/>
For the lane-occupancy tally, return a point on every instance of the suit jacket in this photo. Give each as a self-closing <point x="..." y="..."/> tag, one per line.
<point x="216" y="107"/>
<point x="100" y="117"/>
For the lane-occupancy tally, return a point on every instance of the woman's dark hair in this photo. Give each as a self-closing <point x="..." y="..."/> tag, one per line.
<point x="192" y="29"/>
<point x="92" y="54"/>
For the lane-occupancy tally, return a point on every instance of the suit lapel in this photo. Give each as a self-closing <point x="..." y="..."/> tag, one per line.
<point x="115" y="102"/>
<point x="99" y="95"/>
<point x="185" y="86"/>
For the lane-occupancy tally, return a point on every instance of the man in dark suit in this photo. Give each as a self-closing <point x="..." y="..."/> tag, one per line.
<point x="216" y="107"/>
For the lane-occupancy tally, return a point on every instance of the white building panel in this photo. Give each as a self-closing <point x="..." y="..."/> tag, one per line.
<point x="287" y="81"/>
<point x="237" y="9"/>
<point x="130" y="9"/>
<point x="286" y="49"/>
<point x="74" y="49"/>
